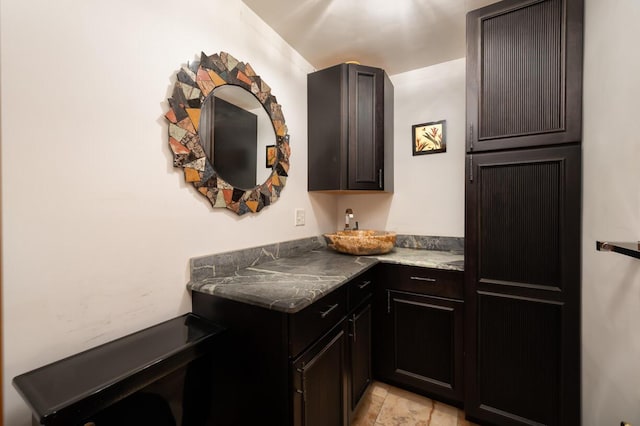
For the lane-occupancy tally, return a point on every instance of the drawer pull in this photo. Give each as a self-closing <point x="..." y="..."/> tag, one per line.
<point x="431" y="280"/>
<point x="331" y="308"/>
<point x="364" y="284"/>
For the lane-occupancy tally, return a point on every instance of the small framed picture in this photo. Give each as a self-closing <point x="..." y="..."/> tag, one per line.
<point x="429" y="138"/>
<point x="271" y="156"/>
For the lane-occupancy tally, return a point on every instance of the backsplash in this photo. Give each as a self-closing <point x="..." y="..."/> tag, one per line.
<point x="225" y="264"/>
<point x="228" y="263"/>
<point x="425" y="242"/>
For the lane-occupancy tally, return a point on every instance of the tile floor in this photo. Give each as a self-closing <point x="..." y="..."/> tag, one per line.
<point x="385" y="405"/>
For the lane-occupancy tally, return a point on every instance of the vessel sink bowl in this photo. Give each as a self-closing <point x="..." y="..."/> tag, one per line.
<point x="361" y="242"/>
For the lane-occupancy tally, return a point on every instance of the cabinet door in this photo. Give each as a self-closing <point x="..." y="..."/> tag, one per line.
<point x="327" y="129"/>
<point x="319" y="382"/>
<point x="360" y="353"/>
<point x="350" y="129"/>
<point x="366" y="128"/>
<point x="524" y="74"/>
<point x="421" y="344"/>
<point x="522" y="264"/>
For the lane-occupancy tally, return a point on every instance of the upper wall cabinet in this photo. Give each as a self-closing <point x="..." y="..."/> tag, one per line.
<point x="350" y="124"/>
<point x="524" y="74"/>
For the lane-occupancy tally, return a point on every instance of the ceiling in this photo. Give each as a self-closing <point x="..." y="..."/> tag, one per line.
<point x="396" y="35"/>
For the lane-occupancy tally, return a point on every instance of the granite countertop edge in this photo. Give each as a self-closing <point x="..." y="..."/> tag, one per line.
<point x="291" y="284"/>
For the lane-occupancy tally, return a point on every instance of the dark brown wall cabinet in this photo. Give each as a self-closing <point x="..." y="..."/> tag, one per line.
<point x="302" y="369"/>
<point x="524" y="74"/>
<point x="350" y="129"/>
<point x="419" y="331"/>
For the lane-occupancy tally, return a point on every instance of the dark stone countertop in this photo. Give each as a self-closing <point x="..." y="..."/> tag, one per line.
<point x="290" y="284"/>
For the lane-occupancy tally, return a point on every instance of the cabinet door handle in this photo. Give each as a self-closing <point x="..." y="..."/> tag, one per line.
<point x="380" y="183"/>
<point x="364" y="284"/>
<point x="352" y="322"/>
<point x="302" y="392"/>
<point x="431" y="280"/>
<point x="388" y="302"/>
<point x="331" y="308"/>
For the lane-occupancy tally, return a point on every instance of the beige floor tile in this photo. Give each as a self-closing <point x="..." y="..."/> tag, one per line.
<point x="385" y="405"/>
<point x="368" y="410"/>
<point x="444" y="415"/>
<point x="379" y="388"/>
<point x="402" y="408"/>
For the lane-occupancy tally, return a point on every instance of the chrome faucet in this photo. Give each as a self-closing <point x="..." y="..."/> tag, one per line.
<point x="347" y="220"/>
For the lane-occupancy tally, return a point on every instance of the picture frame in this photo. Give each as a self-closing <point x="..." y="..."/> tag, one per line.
<point x="271" y="155"/>
<point x="429" y="138"/>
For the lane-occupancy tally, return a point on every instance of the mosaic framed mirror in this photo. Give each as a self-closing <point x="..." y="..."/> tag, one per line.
<point x="223" y="119"/>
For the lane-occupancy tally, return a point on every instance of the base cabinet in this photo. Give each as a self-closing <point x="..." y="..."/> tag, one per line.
<point x="319" y="387"/>
<point x="422" y="338"/>
<point x="419" y="337"/>
<point x="400" y="324"/>
<point x="308" y="368"/>
<point x="359" y="354"/>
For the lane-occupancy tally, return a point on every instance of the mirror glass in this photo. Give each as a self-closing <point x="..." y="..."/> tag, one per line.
<point x="228" y="134"/>
<point x="235" y="131"/>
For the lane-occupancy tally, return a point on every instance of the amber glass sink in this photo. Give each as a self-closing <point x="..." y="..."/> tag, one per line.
<point x="361" y="242"/>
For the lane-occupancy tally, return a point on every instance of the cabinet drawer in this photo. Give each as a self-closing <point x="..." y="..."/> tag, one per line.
<point x="428" y="281"/>
<point x="360" y="288"/>
<point x="309" y="324"/>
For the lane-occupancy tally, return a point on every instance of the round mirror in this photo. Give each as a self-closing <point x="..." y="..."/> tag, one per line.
<point x="237" y="136"/>
<point x="228" y="134"/>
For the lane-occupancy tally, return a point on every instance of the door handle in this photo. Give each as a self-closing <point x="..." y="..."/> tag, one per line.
<point x="352" y="322"/>
<point x="431" y="280"/>
<point x="328" y="311"/>
<point x="364" y="284"/>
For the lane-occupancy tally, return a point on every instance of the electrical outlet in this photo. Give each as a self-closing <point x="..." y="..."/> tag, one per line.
<point x="299" y="217"/>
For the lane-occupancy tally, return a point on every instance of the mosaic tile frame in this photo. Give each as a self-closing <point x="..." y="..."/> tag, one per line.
<point x="194" y="83"/>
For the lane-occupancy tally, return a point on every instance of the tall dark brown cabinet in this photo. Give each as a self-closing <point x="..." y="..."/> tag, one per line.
<point x="523" y="213"/>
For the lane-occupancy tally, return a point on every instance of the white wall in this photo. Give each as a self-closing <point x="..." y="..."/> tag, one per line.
<point x="611" y="211"/>
<point x="98" y="225"/>
<point x="429" y="189"/>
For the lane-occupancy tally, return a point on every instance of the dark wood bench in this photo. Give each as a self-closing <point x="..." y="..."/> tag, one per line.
<point x="102" y="384"/>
